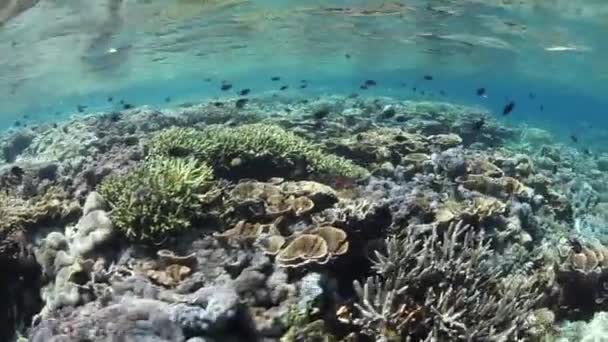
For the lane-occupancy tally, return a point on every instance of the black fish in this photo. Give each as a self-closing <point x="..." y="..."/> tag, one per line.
<point x="347" y="55"/>
<point x="481" y="92"/>
<point x="422" y="92"/>
<point x="110" y="99"/>
<point x="55" y="125"/>
<point x="127" y="106"/>
<point x="275" y="78"/>
<point x="542" y="108"/>
<point x="81" y="108"/>
<point x="303" y="81"/>
<point x="370" y="83"/>
<point x="442" y="93"/>
<point x="25" y="116"/>
<point x="587" y="151"/>
<point x="207" y="79"/>
<point x="508" y="108"/>
<point x="218" y="104"/>
<point x="17" y="123"/>
<point x="244" y="91"/>
<point x="388" y="113"/>
<point x="353" y="95"/>
<point x="414" y="89"/>
<point x="532" y="96"/>
<point x="167" y="99"/>
<point x="573" y="138"/>
<point x="400" y="118"/>
<point x="478" y="124"/>
<point x="363" y="86"/>
<point x="302" y="86"/>
<point x="17" y="172"/>
<point x="240" y="103"/>
<point x="284" y="87"/>
<point x="404" y="84"/>
<point x="288" y="110"/>
<point x="428" y="77"/>
<point x="226" y="86"/>
<point x="321" y="113"/>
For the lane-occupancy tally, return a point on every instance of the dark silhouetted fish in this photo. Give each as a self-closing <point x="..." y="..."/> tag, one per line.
<point x="284" y="87"/>
<point x="508" y="108"/>
<point x="542" y="108"/>
<point x="401" y="118"/>
<point x="127" y="106"/>
<point x="442" y="93"/>
<point x="414" y="89"/>
<point x="477" y="125"/>
<point x="573" y="138"/>
<point x="244" y="92"/>
<point x="81" y="108"/>
<point x="363" y="86"/>
<point x="388" y="113"/>
<point x="17" y="123"/>
<point x="370" y="83"/>
<point x="532" y="96"/>
<point x="428" y="77"/>
<point x="17" y="172"/>
<point x="240" y="103"/>
<point x="347" y="55"/>
<point x="302" y="86"/>
<point x="226" y="86"/>
<point x="353" y="95"/>
<point x="303" y="81"/>
<point x="167" y="99"/>
<point x="218" y="104"/>
<point x="207" y="79"/>
<point x="110" y="99"/>
<point x="321" y="113"/>
<point x="587" y="151"/>
<point x="481" y="92"/>
<point x="275" y="78"/>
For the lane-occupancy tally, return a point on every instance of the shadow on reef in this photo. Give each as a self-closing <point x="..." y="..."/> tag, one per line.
<point x="378" y="219"/>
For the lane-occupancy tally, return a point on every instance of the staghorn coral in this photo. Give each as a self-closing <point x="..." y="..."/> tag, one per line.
<point x="441" y="288"/>
<point x="268" y="148"/>
<point x="159" y="197"/>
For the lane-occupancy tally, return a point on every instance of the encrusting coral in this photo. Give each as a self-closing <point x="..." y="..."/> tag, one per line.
<point x="159" y="197"/>
<point x="264" y="145"/>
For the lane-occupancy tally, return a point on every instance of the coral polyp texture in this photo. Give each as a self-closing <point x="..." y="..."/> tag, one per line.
<point x="337" y="219"/>
<point x="161" y="196"/>
<point x="272" y="149"/>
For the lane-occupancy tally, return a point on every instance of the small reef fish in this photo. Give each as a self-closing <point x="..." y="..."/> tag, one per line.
<point x="574" y="138"/>
<point x="283" y="87"/>
<point x="302" y="86"/>
<point x="321" y="113"/>
<point x="167" y="99"/>
<point x="110" y="99"/>
<point x="481" y="92"/>
<point x="275" y="78"/>
<point x="428" y="77"/>
<point x="477" y="125"/>
<point x="508" y="108"/>
<point x="240" y="103"/>
<point x="370" y="83"/>
<point x="347" y="56"/>
<point x="81" y="108"/>
<point x="244" y="92"/>
<point x="127" y="106"/>
<point x="226" y="86"/>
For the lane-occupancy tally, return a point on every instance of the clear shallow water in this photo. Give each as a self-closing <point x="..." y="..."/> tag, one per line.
<point x="57" y="54"/>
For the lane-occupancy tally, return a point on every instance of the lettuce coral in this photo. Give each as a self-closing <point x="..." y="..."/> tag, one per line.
<point x="263" y="145"/>
<point x="160" y="196"/>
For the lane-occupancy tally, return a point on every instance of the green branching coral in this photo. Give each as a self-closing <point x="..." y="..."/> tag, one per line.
<point x="262" y="145"/>
<point x="159" y="197"/>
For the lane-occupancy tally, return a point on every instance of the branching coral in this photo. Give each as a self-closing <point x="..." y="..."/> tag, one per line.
<point x="442" y="288"/>
<point x="160" y="196"/>
<point x="232" y="147"/>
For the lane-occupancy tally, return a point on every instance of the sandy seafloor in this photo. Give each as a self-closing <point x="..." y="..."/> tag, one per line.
<point x="334" y="218"/>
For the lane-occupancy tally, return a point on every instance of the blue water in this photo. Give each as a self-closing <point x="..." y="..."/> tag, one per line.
<point x="148" y="51"/>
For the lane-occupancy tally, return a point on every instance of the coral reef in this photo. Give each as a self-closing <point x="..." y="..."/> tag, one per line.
<point x="422" y="288"/>
<point x="300" y="219"/>
<point x="159" y="197"/>
<point x="244" y="149"/>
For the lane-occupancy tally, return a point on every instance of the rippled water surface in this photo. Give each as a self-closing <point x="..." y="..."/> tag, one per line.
<point x="58" y="54"/>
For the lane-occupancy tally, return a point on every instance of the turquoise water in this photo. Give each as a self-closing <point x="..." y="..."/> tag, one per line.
<point x="57" y="55"/>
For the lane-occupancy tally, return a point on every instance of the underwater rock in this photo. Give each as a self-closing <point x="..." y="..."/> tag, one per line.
<point x="92" y="231"/>
<point x="16" y="144"/>
<point x="93" y="202"/>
